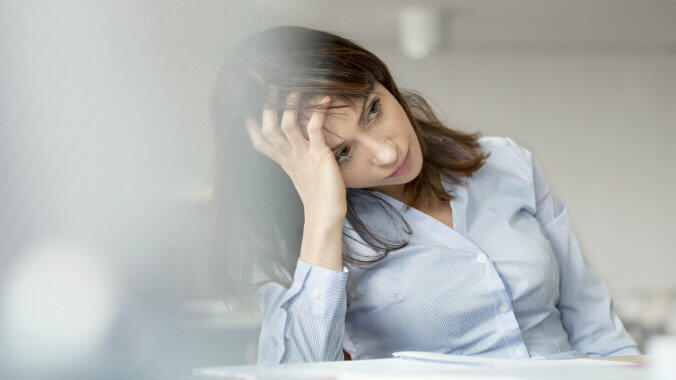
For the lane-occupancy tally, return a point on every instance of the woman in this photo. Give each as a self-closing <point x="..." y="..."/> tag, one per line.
<point x="394" y="232"/>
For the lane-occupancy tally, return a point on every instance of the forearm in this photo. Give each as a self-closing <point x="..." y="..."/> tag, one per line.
<point x="322" y="241"/>
<point x="313" y="338"/>
<point x="307" y="321"/>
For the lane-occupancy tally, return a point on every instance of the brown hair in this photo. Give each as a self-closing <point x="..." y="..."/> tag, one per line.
<point x="257" y="236"/>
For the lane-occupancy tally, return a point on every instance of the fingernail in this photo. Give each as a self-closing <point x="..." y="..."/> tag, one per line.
<point x="326" y="99"/>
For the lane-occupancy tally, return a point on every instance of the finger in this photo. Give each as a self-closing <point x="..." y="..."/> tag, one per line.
<point x="290" y="115"/>
<point x="270" y="123"/>
<point x="259" y="141"/>
<point x="295" y="135"/>
<point x="316" y="124"/>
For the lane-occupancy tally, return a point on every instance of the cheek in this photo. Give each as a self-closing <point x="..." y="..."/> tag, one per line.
<point x="351" y="178"/>
<point x="398" y="120"/>
<point x="356" y="178"/>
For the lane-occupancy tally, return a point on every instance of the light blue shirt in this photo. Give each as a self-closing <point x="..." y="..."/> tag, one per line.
<point x="509" y="280"/>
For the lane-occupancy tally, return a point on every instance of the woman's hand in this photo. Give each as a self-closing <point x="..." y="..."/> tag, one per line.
<point x="311" y="164"/>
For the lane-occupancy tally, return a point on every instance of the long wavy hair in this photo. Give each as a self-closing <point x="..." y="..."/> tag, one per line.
<point x="256" y="214"/>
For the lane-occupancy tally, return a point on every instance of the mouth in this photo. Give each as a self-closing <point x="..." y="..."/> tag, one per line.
<point x="404" y="165"/>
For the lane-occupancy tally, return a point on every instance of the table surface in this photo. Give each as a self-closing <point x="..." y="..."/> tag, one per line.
<point x="552" y="369"/>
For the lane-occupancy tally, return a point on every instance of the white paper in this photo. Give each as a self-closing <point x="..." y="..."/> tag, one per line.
<point x="496" y="363"/>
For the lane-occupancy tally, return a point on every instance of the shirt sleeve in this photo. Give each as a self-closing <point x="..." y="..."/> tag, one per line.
<point x="584" y="300"/>
<point x="305" y="323"/>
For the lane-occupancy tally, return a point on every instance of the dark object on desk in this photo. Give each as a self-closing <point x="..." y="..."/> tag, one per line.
<point x="346" y="356"/>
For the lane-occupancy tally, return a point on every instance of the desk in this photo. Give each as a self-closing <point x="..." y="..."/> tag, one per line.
<point x="598" y="368"/>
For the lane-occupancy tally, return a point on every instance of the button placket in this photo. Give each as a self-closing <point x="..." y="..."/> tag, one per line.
<point x="507" y="320"/>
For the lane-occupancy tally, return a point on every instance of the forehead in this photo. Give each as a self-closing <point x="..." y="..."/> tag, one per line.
<point x="340" y="122"/>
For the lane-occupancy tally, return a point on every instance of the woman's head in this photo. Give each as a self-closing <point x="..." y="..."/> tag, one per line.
<point x="371" y="142"/>
<point x="257" y="215"/>
<point x="369" y="123"/>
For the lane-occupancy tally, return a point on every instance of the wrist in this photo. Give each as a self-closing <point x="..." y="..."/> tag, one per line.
<point x="322" y="243"/>
<point x="324" y="219"/>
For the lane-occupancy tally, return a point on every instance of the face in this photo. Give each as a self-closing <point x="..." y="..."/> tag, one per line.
<point x="369" y="153"/>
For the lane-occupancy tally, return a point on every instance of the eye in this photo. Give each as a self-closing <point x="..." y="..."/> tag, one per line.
<point x="375" y="108"/>
<point x="339" y="156"/>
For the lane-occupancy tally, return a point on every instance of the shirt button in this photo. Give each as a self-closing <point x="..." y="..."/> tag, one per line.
<point x="482" y="258"/>
<point x="503" y="308"/>
<point x="518" y="352"/>
<point x="280" y="352"/>
<point x="316" y="293"/>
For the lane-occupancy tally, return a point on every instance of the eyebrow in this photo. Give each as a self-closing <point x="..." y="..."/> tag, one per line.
<point x="360" y="121"/>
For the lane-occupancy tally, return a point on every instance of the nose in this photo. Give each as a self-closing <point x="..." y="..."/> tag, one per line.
<point x="385" y="152"/>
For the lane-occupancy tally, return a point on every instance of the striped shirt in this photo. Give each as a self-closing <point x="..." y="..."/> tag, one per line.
<point x="509" y="280"/>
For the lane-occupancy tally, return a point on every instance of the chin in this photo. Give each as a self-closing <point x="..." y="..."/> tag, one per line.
<point x="413" y="174"/>
<point x="413" y="171"/>
<point x="406" y="178"/>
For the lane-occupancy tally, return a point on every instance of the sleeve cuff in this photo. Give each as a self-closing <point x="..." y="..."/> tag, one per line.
<point x="322" y="291"/>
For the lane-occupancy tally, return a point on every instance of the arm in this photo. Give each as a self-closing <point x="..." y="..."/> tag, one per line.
<point x="584" y="301"/>
<point x="306" y="323"/>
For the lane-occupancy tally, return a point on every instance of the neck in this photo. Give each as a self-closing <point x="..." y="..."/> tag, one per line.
<point x="394" y="191"/>
<point x="397" y="192"/>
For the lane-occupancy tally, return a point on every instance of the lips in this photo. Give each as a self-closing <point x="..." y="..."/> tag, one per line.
<point x="403" y="163"/>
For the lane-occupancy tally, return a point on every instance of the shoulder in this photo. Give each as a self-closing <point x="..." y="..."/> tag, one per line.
<point x="506" y="147"/>
<point x="506" y="178"/>
<point x="507" y="155"/>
